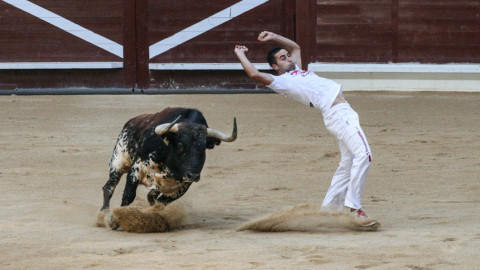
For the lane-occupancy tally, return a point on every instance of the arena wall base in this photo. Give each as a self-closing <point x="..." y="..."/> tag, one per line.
<point x="402" y="77"/>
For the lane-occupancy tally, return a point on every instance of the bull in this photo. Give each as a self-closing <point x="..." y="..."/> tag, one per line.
<point x="164" y="151"/>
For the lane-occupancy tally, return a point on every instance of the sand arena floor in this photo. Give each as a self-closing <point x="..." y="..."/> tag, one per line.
<point x="423" y="186"/>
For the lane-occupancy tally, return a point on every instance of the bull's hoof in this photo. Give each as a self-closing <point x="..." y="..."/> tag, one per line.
<point x="112" y="223"/>
<point x="101" y="218"/>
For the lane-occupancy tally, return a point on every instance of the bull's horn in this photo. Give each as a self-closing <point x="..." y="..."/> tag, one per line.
<point x="219" y="135"/>
<point x="172" y="127"/>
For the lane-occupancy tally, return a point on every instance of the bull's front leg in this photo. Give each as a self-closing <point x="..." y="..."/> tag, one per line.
<point x="172" y="196"/>
<point x="109" y="187"/>
<point x="130" y="191"/>
<point x="152" y="196"/>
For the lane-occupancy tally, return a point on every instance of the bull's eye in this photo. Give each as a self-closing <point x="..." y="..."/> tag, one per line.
<point x="180" y="148"/>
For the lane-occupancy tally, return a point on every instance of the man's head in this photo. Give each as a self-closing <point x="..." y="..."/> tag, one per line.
<point x="279" y="59"/>
<point x="271" y="55"/>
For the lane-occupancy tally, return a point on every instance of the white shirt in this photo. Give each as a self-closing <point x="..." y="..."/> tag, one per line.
<point x="307" y="88"/>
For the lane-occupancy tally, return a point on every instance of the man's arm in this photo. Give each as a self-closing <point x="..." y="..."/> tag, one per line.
<point x="249" y="68"/>
<point x="291" y="46"/>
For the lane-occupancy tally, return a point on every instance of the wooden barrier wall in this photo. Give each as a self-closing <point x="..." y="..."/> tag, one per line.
<point x="398" y="31"/>
<point x="187" y="44"/>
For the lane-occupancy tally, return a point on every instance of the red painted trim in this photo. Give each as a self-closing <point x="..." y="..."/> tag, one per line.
<point x="365" y="145"/>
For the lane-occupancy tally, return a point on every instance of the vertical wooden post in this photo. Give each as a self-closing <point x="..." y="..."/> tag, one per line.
<point x="142" y="44"/>
<point x="305" y="30"/>
<point x="288" y="19"/>
<point x="129" y="51"/>
<point x="394" y="31"/>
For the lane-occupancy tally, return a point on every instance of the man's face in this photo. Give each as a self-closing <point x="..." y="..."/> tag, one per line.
<point x="284" y="62"/>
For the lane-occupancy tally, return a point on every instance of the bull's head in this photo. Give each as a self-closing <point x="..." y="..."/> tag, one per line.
<point x="186" y="144"/>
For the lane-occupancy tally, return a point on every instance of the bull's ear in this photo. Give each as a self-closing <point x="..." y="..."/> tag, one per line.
<point x="168" y="138"/>
<point x="211" y="142"/>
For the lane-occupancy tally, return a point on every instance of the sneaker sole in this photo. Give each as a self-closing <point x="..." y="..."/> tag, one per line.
<point x="369" y="224"/>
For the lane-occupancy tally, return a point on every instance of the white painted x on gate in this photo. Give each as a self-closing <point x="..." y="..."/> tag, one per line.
<point x="155" y="49"/>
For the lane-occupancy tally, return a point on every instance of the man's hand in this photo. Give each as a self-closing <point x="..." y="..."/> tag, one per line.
<point x="249" y="68"/>
<point x="240" y="49"/>
<point x="291" y="46"/>
<point x="266" y="36"/>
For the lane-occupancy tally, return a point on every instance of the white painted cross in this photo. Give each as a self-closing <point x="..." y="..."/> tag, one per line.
<point x="203" y="26"/>
<point x="68" y="26"/>
<point x="155" y="49"/>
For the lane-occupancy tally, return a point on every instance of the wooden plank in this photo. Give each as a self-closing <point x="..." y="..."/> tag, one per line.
<point x="212" y="51"/>
<point x="68" y="52"/>
<point x="353" y="25"/>
<point x="350" y="2"/>
<point x="174" y="9"/>
<point x="142" y="43"/>
<point x="352" y="31"/>
<point x="366" y="12"/>
<point x="439" y="54"/>
<point x="438" y="25"/>
<point x="352" y="37"/>
<point x="85" y="8"/>
<point x="354" y="53"/>
<point x="89" y="78"/>
<point x="439" y="12"/>
<point x="447" y="3"/>
<point x="287" y="24"/>
<point x="395" y="23"/>
<point x="129" y="44"/>
<point x="206" y="79"/>
<point x="107" y="27"/>
<point x="439" y="38"/>
<point x="305" y="25"/>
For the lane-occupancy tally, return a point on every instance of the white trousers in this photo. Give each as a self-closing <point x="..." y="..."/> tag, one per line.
<point x="348" y="181"/>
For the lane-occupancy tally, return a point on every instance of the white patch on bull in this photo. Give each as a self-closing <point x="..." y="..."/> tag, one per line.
<point x="136" y="171"/>
<point x="121" y="158"/>
<point x="149" y="169"/>
<point x="154" y="178"/>
<point x="167" y="185"/>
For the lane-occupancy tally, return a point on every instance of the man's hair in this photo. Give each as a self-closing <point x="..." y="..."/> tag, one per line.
<point x="271" y="55"/>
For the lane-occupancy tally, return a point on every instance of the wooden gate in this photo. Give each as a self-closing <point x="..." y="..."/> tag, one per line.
<point x="130" y="43"/>
<point x="188" y="44"/>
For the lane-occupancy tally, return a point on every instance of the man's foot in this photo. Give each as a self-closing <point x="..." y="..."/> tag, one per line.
<point x="361" y="216"/>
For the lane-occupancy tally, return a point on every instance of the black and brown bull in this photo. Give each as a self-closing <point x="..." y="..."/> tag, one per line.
<point x="163" y="151"/>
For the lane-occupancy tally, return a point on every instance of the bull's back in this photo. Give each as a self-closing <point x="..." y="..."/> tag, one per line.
<point x="140" y="127"/>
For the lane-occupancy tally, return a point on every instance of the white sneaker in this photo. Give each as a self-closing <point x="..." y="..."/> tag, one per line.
<point x="360" y="215"/>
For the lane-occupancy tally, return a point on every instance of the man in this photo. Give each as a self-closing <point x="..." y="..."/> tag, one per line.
<point x="340" y="119"/>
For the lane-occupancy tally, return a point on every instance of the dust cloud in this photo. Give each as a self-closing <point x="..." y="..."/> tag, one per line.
<point x="138" y="219"/>
<point x="306" y="218"/>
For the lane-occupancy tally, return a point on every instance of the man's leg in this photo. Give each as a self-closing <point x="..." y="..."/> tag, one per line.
<point x="362" y="158"/>
<point x="335" y="197"/>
